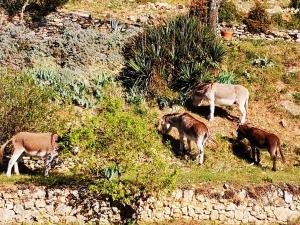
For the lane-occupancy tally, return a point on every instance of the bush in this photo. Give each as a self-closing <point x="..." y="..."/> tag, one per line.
<point x="70" y="85"/>
<point x="171" y="57"/>
<point x="122" y="151"/>
<point x="24" y="106"/>
<point x="228" y="12"/>
<point x="39" y="7"/>
<point x="226" y="77"/>
<point x="296" y="96"/>
<point x="258" y="19"/>
<point x="287" y="22"/>
<point x="199" y="9"/>
<point x="73" y="48"/>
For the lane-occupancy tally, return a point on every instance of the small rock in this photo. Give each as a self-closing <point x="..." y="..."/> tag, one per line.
<point x="143" y="19"/>
<point x="226" y="186"/>
<point x="214" y="215"/>
<point x="132" y="18"/>
<point x="188" y="195"/>
<point x="242" y="194"/>
<point x="291" y="107"/>
<point x="283" y="123"/>
<point x="288" y="198"/>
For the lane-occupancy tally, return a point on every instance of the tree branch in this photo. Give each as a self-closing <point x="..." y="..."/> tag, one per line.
<point x="23" y="10"/>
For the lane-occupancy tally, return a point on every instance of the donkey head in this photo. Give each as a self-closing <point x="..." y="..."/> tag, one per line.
<point x="167" y="122"/>
<point x="199" y="93"/>
<point x="242" y="131"/>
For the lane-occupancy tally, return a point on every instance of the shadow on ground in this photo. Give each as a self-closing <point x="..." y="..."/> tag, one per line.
<point x="205" y="111"/>
<point x="175" y="146"/>
<point x="241" y="150"/>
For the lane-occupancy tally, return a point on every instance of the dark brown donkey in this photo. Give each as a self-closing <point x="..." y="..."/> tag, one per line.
<point x="261" y="139"/>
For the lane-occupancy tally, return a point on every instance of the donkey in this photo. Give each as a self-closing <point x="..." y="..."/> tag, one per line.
<point x="261" y="139"/>
<point x="188" y="127"/>
<point x="34" y="144"/>
<point x="223" y="94"/>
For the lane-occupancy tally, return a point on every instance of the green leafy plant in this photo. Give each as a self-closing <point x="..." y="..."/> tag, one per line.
<point x="263" y="62"/>
<point x="291" y="21"/>
<point x="296" y="96"/>
<point x="258" y="19"/>
<point x="122" y="151"/>
<point x="68" y="88"/>
<point x="228" y="12"/>
<point x="226" y="77"/>
<point x="24" y="106"/>
<point x="171" y="57"/>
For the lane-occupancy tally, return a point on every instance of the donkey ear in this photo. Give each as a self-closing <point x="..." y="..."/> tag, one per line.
<point x="55" y="137"/>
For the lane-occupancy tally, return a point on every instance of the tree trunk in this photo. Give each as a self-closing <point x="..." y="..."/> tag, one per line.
<point x="23" y="10"/>
<point x="213" y="18"/>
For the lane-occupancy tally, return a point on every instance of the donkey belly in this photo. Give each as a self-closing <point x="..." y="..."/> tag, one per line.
<point x="37" y="153"/>
<point x="224" y="101"/>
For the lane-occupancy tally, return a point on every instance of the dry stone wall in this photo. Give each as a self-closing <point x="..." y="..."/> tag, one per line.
<point x="257" y="205"/>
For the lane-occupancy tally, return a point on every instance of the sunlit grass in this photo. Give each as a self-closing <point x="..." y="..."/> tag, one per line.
<point x="104" y="7"/>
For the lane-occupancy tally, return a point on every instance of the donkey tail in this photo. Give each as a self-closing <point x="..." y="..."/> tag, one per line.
<point x="2" y="150"/>
<point x="209" y="138"/>
<point x="281" y="153"/>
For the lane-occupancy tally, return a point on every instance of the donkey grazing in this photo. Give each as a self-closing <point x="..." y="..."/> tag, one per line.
<point x="34" y="144"/>
<point x="188" y="127"/>
<point x="261" y="139"/>
<point x="223" y="94"/>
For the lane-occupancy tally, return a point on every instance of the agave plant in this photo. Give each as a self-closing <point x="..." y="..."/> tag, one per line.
<point x="226" y="77"/>
<point x="171" y="57"/>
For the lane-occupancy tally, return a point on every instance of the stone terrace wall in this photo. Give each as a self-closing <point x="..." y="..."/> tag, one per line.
<point x="259" y="205"/>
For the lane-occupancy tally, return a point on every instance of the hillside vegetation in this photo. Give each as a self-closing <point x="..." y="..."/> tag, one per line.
<point x="105" y="90"/>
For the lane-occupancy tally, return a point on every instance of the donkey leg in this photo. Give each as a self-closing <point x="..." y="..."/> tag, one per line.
<point x="181" y="144"/>
<point x="253" y="155"/>
<point x="258" y="156"/>
<point x="17" y="153"/>
<point x="244" y="112"/>
<point x="212" y="109"/>
<point x="16" y="168"/>
<point x="189" y="146"/>
<point x="201" y="150"/>
<point x="273" y="154"/>
<point x="48" y="160"/>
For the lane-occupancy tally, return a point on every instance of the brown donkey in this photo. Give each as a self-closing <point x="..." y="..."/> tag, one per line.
<point x="261" y="139"/>
<point x="34" y="144"/>
<point x="189" y="127"/>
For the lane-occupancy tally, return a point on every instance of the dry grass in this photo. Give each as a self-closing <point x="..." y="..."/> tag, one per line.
<point x="120" y="9"/>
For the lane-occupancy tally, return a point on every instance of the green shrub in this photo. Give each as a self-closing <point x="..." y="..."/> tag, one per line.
<point x="226" y="77"/>
<point x="70" y="85"/>
<point x="258" y="19"/>
<point x="228" y="12"/>
<point x="39" y="7"/>
<point x="122" y="151"/>
<point x="170" y="57"/>
<point x="74" y="47"/>
<point x="24" y="106"/>
<point x="296" y="96"/>
<point x="262" y="62"/>
<point x="290" y="22"/>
